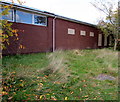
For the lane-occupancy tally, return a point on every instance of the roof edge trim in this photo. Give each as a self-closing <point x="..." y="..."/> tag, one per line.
<point x="46" y="13"/>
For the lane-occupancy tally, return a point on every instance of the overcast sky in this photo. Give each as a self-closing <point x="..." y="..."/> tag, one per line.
<point x="77" y="9"/>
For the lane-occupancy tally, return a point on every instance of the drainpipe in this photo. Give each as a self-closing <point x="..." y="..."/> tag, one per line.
<point x="54" y="33"/>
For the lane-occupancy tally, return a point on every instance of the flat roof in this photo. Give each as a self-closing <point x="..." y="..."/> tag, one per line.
<point x="23" y="7"/>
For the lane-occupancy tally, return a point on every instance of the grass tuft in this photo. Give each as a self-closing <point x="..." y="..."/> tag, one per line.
<point x="56" y="68"/>
<point x="62" y="75"/>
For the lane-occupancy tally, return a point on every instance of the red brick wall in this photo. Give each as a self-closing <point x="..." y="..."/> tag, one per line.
<point x="67" y="41"/>
<point x="35" y="38"/>
<point x="39" y="38"/>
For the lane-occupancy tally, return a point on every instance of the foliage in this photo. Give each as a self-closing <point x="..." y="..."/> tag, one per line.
<point x="6" y="31"/>
<point x="23" y="77"/>
<point x="110" y="24"/>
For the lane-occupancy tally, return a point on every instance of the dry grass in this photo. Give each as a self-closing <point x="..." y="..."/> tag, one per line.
<point x="105" y="53"/>
<point x="56" y="68"/>
<point x="108" y="56"/>
<point x="78" y="52"/>
<point x="52" y="71"/>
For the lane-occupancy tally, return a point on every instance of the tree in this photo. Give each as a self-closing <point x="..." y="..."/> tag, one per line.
<point x="110" y="24"/>
<point x="6" y="30"/>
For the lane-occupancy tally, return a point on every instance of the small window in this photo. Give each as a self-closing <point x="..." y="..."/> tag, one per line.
<point x="82" y="32"/>
<point x="40" y="20"/>
<point x="23" y="17"/>
<point x="92" y="34"/>
<point x="105" y="40"/>
<point x="71" y="31"/>
<point x="9" y="16"/>
<point x="100" y="40"/>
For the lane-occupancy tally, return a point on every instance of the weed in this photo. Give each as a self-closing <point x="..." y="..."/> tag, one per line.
<point x="56" y="68"/>
<point x="62" y="75"/>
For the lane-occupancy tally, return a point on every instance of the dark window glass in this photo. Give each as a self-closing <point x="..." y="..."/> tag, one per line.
<point x="40" y="20"/>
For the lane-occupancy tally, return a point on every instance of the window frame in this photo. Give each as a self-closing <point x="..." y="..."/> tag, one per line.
<point x="92" y="34"/>
<point x="13" y="15"/>
<point x="25" y="12"/>
<point x="33" y="20"/>
<point x="81" y="31"/>
<point x="71" y="33"/>
<point x="100" y="40"/>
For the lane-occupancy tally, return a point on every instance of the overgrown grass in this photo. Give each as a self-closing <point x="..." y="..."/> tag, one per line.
<point x="62" y="75"/>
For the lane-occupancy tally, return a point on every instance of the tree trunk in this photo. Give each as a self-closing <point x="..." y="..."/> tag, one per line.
<point x="115" y="44"/>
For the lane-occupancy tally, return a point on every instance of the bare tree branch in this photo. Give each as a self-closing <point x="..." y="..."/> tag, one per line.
<point x="110" y="25"/>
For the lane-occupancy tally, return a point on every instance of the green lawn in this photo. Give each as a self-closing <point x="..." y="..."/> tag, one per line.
<point x="62" y="75"/>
